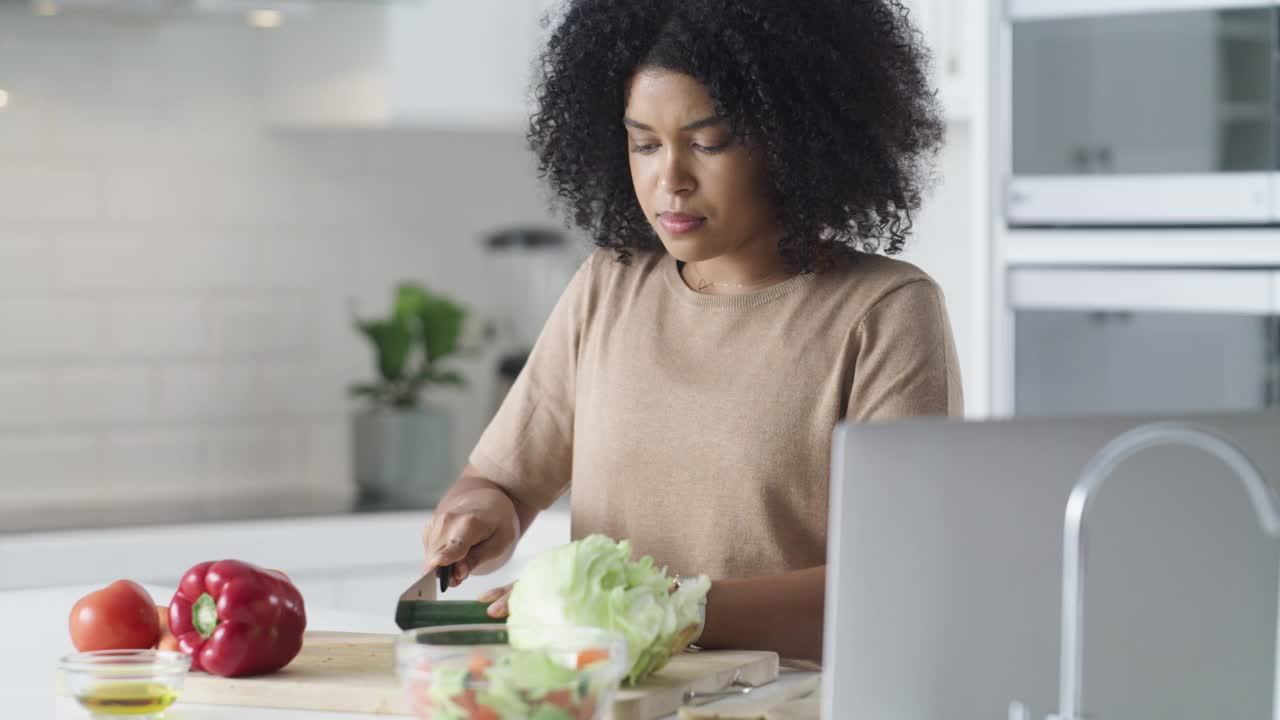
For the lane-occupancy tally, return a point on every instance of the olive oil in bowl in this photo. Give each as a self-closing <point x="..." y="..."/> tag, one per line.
<point x="128" y="699"/>
<point x="139" y="684"/>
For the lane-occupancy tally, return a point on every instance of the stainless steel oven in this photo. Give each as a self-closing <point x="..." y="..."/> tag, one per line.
<point x="1143" y="112"/>
<point x="1090" y="340"/>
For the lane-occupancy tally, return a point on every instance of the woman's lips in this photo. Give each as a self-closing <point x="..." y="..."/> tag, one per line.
<point x="680" y="223"/>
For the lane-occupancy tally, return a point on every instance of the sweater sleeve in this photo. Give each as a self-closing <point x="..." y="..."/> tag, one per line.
<point x="527" y="447"/>
<point x="906" y="357"/>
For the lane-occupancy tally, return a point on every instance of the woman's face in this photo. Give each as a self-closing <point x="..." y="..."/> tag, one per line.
<point x="704" y="193"/>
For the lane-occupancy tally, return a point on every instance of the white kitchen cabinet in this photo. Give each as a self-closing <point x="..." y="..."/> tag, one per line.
<point x="947" y="26"/>
<point x="424" y="63"/>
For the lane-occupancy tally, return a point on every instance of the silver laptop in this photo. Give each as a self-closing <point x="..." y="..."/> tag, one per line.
<point x="945" y="558"/>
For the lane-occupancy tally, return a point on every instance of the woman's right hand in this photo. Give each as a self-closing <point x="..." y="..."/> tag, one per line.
<point x="475" y="529"/>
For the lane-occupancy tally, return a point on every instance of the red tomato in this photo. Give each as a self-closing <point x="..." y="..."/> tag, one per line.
<point x="590" y="656"/>
<point x="560" y="698"/>
<point x="120" y="616"/>
<point x="465" y="700"/>
<point x="420" y="694"/>
<point x="475" y="711"/>
<point x="479" y="664"/>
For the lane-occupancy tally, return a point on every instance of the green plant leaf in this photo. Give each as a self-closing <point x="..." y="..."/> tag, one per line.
<point x="441" y="328"/>
<point x="411" y="298"/>
<point x="419" y="319"/>
<point x="400" y="393"/>
<point x="405" y="401"/>
<point x="393" y="342"/>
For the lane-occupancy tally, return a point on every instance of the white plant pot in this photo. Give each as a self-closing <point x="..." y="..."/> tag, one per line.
<point x="403" y="458"/>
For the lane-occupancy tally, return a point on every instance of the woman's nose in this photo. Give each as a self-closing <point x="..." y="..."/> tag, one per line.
<point x="675" y="177"/>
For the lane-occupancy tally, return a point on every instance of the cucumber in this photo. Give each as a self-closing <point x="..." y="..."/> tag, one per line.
<point x="412" y="614"/>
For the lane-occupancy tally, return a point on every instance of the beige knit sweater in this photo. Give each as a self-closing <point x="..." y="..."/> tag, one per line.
<point x="699" y="426"/>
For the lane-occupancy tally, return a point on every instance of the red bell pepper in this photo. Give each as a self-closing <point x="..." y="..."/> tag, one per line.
<point x="237" y="619"/>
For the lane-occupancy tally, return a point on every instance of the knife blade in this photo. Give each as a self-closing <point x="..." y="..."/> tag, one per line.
<point x="418" y="606"/>
<point x="421" y="590"/>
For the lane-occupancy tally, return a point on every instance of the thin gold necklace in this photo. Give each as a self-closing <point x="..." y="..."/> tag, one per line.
<point x="704" y="283"/>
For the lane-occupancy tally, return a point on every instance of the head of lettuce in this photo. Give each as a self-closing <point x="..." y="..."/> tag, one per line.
<point x="594" y="582"/>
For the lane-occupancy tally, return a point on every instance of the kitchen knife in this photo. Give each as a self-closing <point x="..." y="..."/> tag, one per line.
<point x="421" y="588"/>
<point x="417" y="608"/>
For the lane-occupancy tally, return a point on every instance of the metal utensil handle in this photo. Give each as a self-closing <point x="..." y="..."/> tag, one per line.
<point x="733" y="689"/>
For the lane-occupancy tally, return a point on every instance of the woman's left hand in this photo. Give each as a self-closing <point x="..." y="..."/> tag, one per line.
<point x="497" y="599"/>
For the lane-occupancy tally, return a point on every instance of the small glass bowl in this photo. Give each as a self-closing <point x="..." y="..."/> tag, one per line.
<point x="472" y="671"/>
<point x="137" y="684"/>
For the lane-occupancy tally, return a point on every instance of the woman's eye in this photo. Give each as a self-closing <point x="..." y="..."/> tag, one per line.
<point x="649" y="148"/>
<point x="711" y="149"/>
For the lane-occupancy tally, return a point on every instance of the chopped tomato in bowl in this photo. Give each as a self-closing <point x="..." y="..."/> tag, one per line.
<point x="471" y="672"/>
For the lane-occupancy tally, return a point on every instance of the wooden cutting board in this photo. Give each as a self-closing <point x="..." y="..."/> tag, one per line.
<point x="349" y="672"/>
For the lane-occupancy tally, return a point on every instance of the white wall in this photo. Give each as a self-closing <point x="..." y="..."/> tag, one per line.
<point x="174" y="276"/>
<point x="175" y="271"/>
<point x="942" y="243"/>
<point x="951" y="238"/>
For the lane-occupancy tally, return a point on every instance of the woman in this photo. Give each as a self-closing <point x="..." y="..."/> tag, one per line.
<point x="739" y="163"/>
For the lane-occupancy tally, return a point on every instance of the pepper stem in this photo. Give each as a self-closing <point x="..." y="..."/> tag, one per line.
<point x="204" y="615"/>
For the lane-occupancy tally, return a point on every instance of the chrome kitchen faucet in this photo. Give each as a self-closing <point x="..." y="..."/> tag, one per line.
<point x="1099" y="468"/>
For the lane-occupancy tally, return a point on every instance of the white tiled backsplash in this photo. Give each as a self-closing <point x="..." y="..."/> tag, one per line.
<point x="175" y="275"/>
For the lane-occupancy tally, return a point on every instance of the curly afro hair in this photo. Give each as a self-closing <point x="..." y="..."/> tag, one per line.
<point x="835" y="91"/>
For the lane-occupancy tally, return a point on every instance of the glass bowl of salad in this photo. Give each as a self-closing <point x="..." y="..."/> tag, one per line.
<point x="472" y="672"/>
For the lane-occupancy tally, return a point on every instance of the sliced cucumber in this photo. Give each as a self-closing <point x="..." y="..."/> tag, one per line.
<point x="434" y="613"/>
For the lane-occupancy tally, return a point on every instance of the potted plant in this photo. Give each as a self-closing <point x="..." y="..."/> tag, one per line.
<point x="403" y="447"/>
